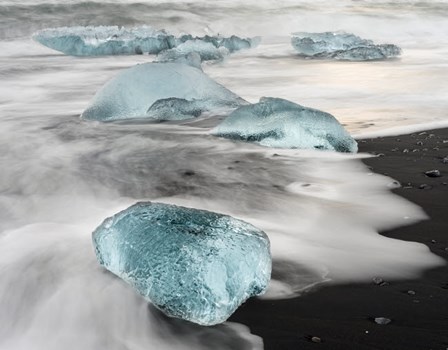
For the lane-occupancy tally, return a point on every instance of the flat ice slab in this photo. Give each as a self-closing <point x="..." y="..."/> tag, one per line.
<point x="113" y="40"/>
<point x="341" y="46"/>
<point x="105" y="40"/>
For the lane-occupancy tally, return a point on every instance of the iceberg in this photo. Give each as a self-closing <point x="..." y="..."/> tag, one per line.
<point x="275" y="122"/>
<point x="341" y="46"/>
<point x="134" y="92"/>
<point x="105" y="40"/>
<point x="191" y="264"/>
<point x="206" y="51"/>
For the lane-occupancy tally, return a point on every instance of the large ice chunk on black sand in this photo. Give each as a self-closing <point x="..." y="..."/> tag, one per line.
<point x="275" y="122"/>
<point x="341" y="46"/>
<point x="192" y="264"/>
<point x="134" y="92"/>
<point x="113" y="40"/>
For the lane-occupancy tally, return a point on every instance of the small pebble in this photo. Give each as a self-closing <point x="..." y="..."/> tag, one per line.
<point x="382" y="320"/>
<point x="445" y="141"/>
<point x="405" y="150"/>
<point x="445" y="160"/>
<point x="436" y="148"/>
<point x="419" y="143"/>
<point x="425" y="187"/>
<point x="411" y="292"/>
<point x="433" y="241"/>
<point x="394" y="184"/>
<point x="394" y="149"/>
<point x="377" y="280"/>
<point x="415" y="150"/>
<point x="316" y="340"/>
<point x="433" y="173"/>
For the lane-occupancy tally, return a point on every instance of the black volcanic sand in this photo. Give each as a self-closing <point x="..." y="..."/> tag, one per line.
<point x="342" y="316"/>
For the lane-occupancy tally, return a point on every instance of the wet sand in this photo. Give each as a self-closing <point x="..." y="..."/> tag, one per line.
<point x="342" y="317"/>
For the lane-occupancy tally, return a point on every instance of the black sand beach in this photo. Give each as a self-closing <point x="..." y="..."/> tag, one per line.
<point x="342" y="317"/>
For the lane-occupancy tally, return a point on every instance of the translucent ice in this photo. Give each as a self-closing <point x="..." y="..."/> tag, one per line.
<point x="206" y="50"/>
<point x="180" y="109"/>
<point x="133" y="92"/>
<point x="275" y="122"/>
<point x="105" y="40"/>
<point x="233" y="43"/>
<point x="191" y="264"/>
<point x="113" y="40"/>
<point x="342" y="46"/>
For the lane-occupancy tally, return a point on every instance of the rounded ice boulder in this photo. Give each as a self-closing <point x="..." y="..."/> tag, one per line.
<point x="275" y="122"/>
<point x="133" y="91"/>
<point x="192" y="264"/>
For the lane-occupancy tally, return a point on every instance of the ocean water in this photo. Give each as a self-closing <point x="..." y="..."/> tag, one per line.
<point x="60" y="176"/>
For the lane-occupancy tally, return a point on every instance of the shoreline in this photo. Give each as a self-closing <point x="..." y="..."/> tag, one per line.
<point x="342" y="316"/>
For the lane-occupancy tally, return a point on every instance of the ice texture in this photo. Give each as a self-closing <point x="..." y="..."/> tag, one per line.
<point x="275" y="122"/>
<point x="105" y="40"/>
<point x="191" y="264"/>
<point x="113" y="40"/>
<point x="133" y="92"/>
<point x="233" y="43"/>
<point x="206" y="50"/>
<point x="341" y="46"/>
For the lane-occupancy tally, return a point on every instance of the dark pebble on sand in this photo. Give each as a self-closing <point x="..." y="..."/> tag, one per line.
<point x="379" y="281"/>
<point x="425" y="187"/>
<point x="189" y="173"/>
<point x="433" y="173"/>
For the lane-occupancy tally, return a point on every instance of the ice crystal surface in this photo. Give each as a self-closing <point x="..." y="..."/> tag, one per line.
<point x="275" y="122"/>
<point x="342" y="46"/>
<point x="191" y="264"/>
